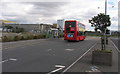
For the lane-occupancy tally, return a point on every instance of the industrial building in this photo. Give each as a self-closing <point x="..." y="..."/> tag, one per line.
<point x="32" y="27"/>
<point x="50" y="29"/>
<point x="39" y="28"/>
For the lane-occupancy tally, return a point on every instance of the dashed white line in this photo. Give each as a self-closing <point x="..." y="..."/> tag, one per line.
<point x="60" y="67"/>
<point x="49" y="50"/>
<point x="69" y="49"/>
<point x="4" y="61"/>
<point x="11" y="59"/>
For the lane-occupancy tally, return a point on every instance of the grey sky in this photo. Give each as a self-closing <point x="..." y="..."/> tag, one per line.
<point x="49" y="12"/>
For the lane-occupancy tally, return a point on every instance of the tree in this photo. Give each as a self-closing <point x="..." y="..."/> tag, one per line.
<point x="101" y="22"/>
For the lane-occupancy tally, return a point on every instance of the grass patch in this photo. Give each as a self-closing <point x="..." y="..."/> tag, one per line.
<point x="95" y="35"/>
<point x="104" y="51"/>
<point x="114" y="36"/>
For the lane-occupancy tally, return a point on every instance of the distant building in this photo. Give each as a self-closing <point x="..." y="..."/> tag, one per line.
<point x="32" y="27"/>
<point x="2" y="22"/>
<point x="114" y="33"/>
<point x="8" y="22"/>
<point x="54" y="25"/>
<point x="60" y="24"/>
<point x="93" y="33"/>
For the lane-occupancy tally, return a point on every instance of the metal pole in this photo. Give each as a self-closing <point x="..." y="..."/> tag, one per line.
<point x="105" y="7"/>
<point x="105" y="24"/>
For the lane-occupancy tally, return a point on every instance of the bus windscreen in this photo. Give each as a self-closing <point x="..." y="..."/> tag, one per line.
<point x="70" y="24"/>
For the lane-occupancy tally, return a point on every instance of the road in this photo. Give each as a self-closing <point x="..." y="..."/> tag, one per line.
<point x="42" y="55"/>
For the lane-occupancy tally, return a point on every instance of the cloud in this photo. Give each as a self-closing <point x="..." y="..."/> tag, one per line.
<point x="24" y="11"/>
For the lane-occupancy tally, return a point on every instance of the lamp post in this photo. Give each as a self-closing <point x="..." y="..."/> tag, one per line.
<point x="105" y="7"/>
<point x="105" y="24"/>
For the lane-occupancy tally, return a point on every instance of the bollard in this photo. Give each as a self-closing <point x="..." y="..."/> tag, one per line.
<point x="102" y="43"/>
<point x="107" y="41"/>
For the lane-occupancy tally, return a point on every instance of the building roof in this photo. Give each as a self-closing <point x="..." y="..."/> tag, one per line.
<point x="5" y="21"/>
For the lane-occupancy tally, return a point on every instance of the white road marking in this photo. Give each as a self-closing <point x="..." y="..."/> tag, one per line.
<point x="78" y="59"/>
<point x="49" y="49"/>
<point x="4" y="61"/>
<point x="60" y="67"/>
<point x="11" y="59"/>
<point x="115" y="46"/>
<point x="55" y="70"/>
<point x="69" y="49"/>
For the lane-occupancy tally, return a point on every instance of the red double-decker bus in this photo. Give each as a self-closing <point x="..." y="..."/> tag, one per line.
<point x="74" y="30"/>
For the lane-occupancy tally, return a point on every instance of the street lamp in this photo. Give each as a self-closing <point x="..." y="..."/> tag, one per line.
<point x="105" y="23"/>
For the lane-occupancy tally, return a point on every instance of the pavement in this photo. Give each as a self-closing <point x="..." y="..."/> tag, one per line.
<point x="83" y="65"/>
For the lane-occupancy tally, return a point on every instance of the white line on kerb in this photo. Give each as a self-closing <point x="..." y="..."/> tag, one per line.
<point x="115" y="46"/>
<point x="59" y="68"/>
<point x="78" y="59"/>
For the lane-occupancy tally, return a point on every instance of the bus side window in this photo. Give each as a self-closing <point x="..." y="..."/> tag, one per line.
<point x="77" y="33"/>
<point x="84" y="33"/>
<point x="80" y="33"/>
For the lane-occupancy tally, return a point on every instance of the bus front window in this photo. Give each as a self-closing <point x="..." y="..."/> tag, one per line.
<point x="68" y="26"/>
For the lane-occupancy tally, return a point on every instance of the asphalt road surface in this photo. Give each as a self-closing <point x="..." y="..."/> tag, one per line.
<point x="42" y="55"/>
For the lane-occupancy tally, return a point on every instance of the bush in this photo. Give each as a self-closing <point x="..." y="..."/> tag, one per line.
<point x="28" y="38"/>
<point x="60" y="36"/>
<point x="35" y="37"/>
<point x="22" y="38"/>
<point x="16" y="38"/>
<point x="31" y="36"/>
<point x="10" y="38"/>
<point x="5" y="39"/>
<point x="39" y="36"/>
<point x="42" y="36"/>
